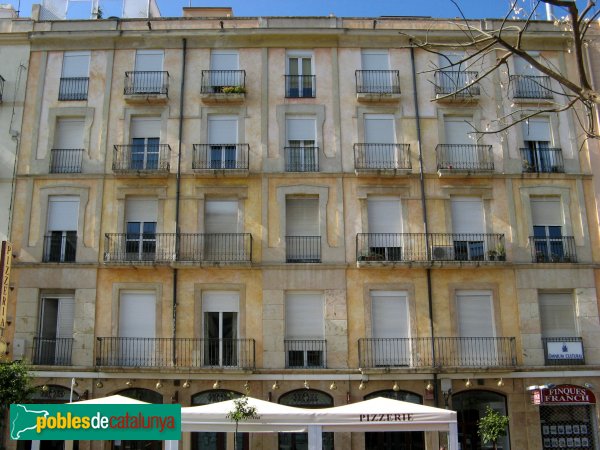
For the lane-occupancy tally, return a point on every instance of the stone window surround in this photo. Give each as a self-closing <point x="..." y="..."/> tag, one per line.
<point x="221" y="193"/>
<point x="361" y="111"/>
<point x="147" y="111"/>
<point x="401" y="192"/>
<point x="200" y="288"/>
<point x="316" y="111"/>
<point x="485" y="194"/>
<point x="69" y="112"/>
<point x="117" y="288"/>
<point x="407" y="288"/>
<point x="494" y="291"/>
<point x="158" y="192"/>
<point x="474" y="113"/>
<point x="239" y="111"/>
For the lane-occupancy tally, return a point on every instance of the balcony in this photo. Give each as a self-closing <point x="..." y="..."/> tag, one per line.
<point x="473" y="247"/>
<point x="227" y="86"/>
<point x="553" y="249"/>
<point x="453" y="158"/>
<point x="531" y="87"/>
<point x="303" y="249"/>
<point x="189" y="353"/>
<point x="226" y="158"/>
<point x="136" y="158"/>
<point x="448" y="352"/>
<point x="215" y="248"/>
<point x="542" y="160"/>
<point x="390" y="247"/>
<point x="453" y="85"/>
<point x="52" y="351"/>
<point x="305" y="353"/>
<point x="66" y="160"/>
<point x="563" y="351"/>
<point x="301" y="159"/>
<point x="139" y="248"/>
<point x="377" y="85"/>
<point x="74" y="88"/>
<point x="300" y="86"/>
<point x="390" y="158"/>
<point x="60" y="247"/>
<point x="146" y="86"/>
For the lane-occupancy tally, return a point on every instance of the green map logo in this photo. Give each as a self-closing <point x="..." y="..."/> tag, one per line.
<point x="74" y="421"/>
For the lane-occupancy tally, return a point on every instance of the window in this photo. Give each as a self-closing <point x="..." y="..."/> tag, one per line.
<point x="468" y="228"/>
<point x="60" y="243"/>
<point x="222" y="137"/>
<point x="380" y="139"/>
<point x="376" y="76"/>
<point x="67" y="151"/>
<point x="475" y="328"/>
<point x="148" y="74"/>
<point x="224" y="70"/>
<point x="75" y="76"/>
<point x="303" y="240"/>
<point x="537" y="154"/>
<point x="220" y="323"/>
<point x="453" y="76"/>
<point x="390" y="328"/>
<point x="221" y="227"/>
<point x="528" y="81"/>
<point x="304" y="329"/>
<point x="137" y="329"/>
<point x="557" y="315"/>
<point x="55" y="332"/>
<point x="385" y="228"/>
<point x="140" y="239"/>
<point x="301" y="150"/>
<point x="145" y="143"/>
<point x="547" y="229"/>
<point x="300" y="79"/>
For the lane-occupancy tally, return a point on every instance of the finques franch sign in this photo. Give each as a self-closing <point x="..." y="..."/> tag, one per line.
<point x="563" y="394"/>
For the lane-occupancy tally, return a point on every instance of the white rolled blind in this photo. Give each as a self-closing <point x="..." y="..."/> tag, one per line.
<point x="304" y="315"/>
<point x="523" y="67"/>
<point x="557" y="315"/>
<point x="149" y="60"/>
<point x="63" y="213"/>
<point x="458" y="130"/>
<point x="69" y="134"/>
<point x="389" y="314"/>
<point x="222" y="129"/>
<point x="475" y="315"/>
<point x="546" y="211"/>
<point x="537" y="129"/>
<point x="221" y="216"/>
<point x="450" y="58"/>
<point x="302" y="217"/>
<point x="224" y="60"/>
<point x="384" y="214"/>
<point x="216" y="301"/>
<point x="145" y="127"/>
<point x="375" y="60"/>
<point x="141" y="209"/>
<point x="137" y="314"/>
<point x="379" y="129"/>
<point x="467" y="215"/>
<point x="66" y="317"/>
<point x="301" y="128"/>
<point x="76" y="64"/>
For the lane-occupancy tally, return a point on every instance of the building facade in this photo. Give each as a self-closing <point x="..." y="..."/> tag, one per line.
<point x="296" y="208"/>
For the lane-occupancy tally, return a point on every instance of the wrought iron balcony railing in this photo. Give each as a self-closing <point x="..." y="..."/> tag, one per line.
<point x="300" y="86"/>
<point x="303" y="249"/>
<point x="563" y="351"/>
<point x="216" y="247"/>
<point x="178" y="352"/>
<point x="391" y="247"/>
<point x="553" y="249"/>
<point x="457" y="83"/>
<point x="464" y="157"/>
<point x="139" y="248"/>
<point x="142" y="158"/>
<point x="52" y="351"/>
<point x="479" y="352"/>
<point x="227" y="157"/>
<point x="301" y="159"/>
<point x="60" y="247"/>
<point x="467" y="247"/>
<point x="542" y="160"/>
<point x="223" y="82"/>
<point x="382" y="157"/>
<point x="146" y="83"/>
<point x="66" y="160"/>
<point x="377" y="81"/>
<point x="73" y="88"/>
<point x="305" y="353"/>
<point x="531" y="86"/>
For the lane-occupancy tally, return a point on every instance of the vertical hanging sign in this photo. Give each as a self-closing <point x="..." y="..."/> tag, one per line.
<point x="5" y="262"/>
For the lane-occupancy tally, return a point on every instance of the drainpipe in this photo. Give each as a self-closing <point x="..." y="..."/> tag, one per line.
<point x="425" y="223"/>
<point x="177" y="198"/>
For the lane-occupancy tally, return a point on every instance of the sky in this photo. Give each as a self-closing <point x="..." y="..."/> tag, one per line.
<point x="340" y="8"/>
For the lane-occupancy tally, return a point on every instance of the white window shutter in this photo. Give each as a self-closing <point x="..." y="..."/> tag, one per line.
<point x="450" y="58"/>
<point x="302" y="217"/>
<point x="379" y="129"/>
<point x="69" y="134"/>
<point x="537" y="129"/>
<point x="141" y="209"/>
<point x="224" y="60"/>
<point x="301" y="128"/>
<point x="475" y="315"/>
<point x="63" y="213"/>
<point x="389" y="314"/>
<point x="546" y="211"/>
<point x="137" y="314"/>
<point x="76" y="64"/>
<point x="467" y="215"/>
<point x="222" y="129"/>
<point x="384" y="214"/>
<point x="523" y="67"/>
<point x="375" y="60"/>
<point x="221" y="216"/>
<point x="220" y="301"/>
<point x="304" y="315"/>
<point x="145" y="127"/>
<point x="458" y="130"/>
<point x="66" y="317"/>
<point x="557" y="315"/>
<point x="149" y="60"/>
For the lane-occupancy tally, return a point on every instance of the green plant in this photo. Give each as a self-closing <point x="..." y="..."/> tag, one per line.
<point x="15" y="386"/>
<point x="241" y="412"/>
<point x="491" y="426"/>
<point x="233" y="90"/>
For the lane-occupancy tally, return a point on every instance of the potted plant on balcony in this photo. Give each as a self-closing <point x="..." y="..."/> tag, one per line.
<point x="500" y="252"/>
<point x="492" y="426"/>
<point x="233" y="90"/>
